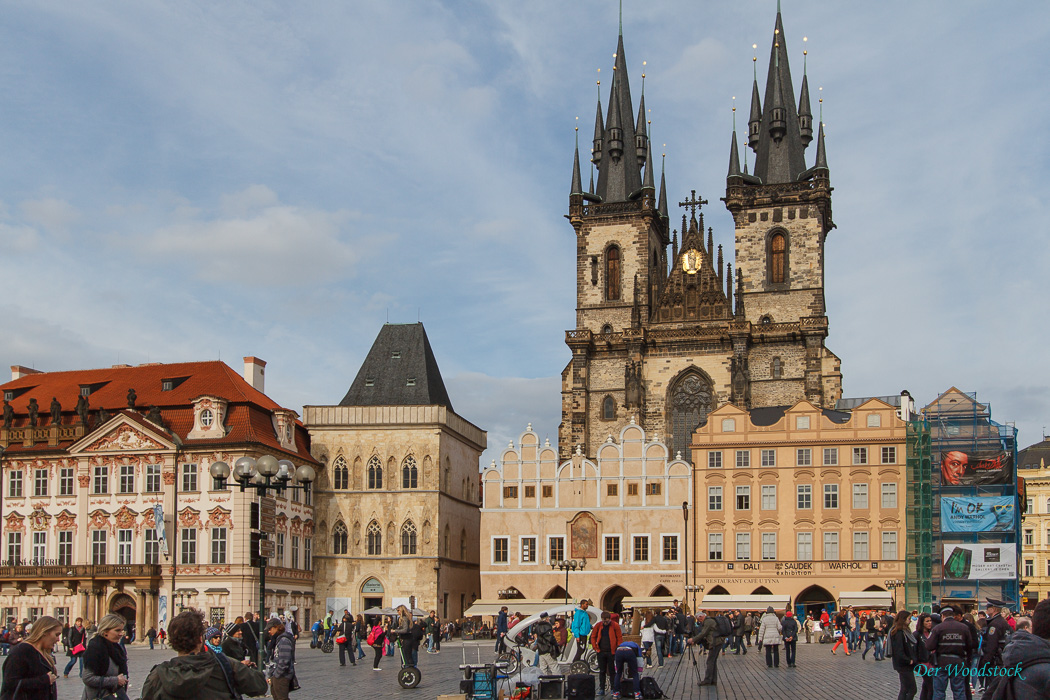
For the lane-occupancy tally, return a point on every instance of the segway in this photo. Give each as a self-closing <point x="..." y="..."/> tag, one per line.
<point x="408" y="676"/>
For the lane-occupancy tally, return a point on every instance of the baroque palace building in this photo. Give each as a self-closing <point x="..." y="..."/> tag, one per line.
<point x="108" y="504"/>
<point x="668" y="332"/>
<point x="1033" y="464"/>
<point x="397" y="495"/>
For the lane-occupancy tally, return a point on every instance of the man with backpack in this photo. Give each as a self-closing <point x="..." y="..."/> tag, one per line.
<point x="712" y="636"/>
<point x="547" y="645"/>
<point x="1029" y="653"/>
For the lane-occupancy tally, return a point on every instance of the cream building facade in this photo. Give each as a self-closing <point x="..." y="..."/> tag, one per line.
<point x="397" y="496"/>
<point x="108" y="505"/>
<point x="622" y="513"/>
<point x="1034" y="467"/>
<point x="802" y="501"/>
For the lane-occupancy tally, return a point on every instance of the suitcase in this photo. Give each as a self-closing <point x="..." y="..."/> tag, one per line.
<point x="627" y="689"/>
<point x="579" y="686"/>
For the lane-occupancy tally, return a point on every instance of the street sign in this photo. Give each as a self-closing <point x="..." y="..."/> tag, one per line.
<point x="266" y="549"/>
<point x="268" y="515"/>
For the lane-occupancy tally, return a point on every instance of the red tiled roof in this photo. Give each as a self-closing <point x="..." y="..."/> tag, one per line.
<point x="248" y="416"/>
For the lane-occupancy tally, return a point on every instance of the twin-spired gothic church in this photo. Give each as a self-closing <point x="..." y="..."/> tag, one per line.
<point x="666" y="328"/>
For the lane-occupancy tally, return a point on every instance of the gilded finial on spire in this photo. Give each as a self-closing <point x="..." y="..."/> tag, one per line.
<point x="621" y="17"/>
<point x="805" y="53"/>
<point x="820" y="101"/>
<point x="734" y="113"/>
<point x="754" y="60"/>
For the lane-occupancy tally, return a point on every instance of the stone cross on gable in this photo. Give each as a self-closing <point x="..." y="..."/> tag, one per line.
<point x="693" y="203"/>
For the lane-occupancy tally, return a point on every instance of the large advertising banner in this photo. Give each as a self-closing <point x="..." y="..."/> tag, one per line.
<point x="980" y="561"/>
<point x="979" y="514"/>
<point x="959" y="468"/>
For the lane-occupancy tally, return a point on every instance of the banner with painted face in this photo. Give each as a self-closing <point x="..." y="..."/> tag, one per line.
<point x="960" y="468"/>
<point x="979" y="514"/>
<point x="980" y="561"/>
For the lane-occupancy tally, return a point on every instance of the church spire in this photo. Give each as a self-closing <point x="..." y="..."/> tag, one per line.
<point x="805" y="114"/>
<point x="822" y="156"/>
<point x="599" y="131"/>
<point x="739" y="294"/>
<point x="779" y="154"/>
<point x="754" y="122"/>
<point x="619" y="173"/>
<point x="647" y="183"/>
<point x="641" y="138"/>
<point x="734" y="158"/>
<point x="663" y="188"/>
<point x="577" y="180"/>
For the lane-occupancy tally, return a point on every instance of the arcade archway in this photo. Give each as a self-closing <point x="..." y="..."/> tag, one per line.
<point x="612" y="599"/>
<point x="814" y="600"/>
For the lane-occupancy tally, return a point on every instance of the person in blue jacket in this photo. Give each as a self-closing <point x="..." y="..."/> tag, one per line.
<point x="501" y="630"/>
<point x="581" y="628"/>
<point x="627" y="655"/>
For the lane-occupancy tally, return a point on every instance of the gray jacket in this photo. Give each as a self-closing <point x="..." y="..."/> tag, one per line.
<point x="95" y="685"/>
<point x="1026" y="648"/>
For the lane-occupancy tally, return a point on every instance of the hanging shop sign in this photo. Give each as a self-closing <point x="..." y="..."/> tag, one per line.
<point x="980" y="561"/>
<point x="978" y="514"/>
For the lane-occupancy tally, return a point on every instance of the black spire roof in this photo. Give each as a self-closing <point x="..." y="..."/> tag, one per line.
<point x="779" y="159"/>
<point x="619" y="176"/>
<point x="400" y="370"/>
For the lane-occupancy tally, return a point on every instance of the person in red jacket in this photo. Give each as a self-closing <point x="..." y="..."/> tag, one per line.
<point x="605" y="637"/>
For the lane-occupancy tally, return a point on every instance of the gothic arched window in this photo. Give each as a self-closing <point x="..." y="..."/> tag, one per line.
<point x="375" y="539"/>
<point x="375" y="473"/>
<point x="778" y="258"/>
<point x="340" y="474"/>
<point x="609" y="408"/>
<point x="409" y="473"/>
<point x="463" y="545"/>
<point x="408" y="538"/>
<point x="690" y="400"/>
<point x="339" y="538"/>
<point x="612" y="274"/>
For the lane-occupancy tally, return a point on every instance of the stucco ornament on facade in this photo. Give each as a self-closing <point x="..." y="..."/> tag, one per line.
<point x="39" y="519"/>
<point x="125" y="438"/>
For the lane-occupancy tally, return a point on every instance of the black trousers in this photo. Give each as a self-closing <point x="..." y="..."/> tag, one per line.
<point x="773" y="655"/>
<point x="345" y="649"/>
<point x="908" y="689"/>
<point x="606" y="667"/>
<point x="711" y="674"/>
<point x="581" y="646"/>
<point x="379" y="655"/>
<point x="789" y="652"/>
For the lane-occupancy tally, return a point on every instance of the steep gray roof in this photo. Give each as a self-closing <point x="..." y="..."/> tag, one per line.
<point x="620" y="177"/>
<point x="780" y="160"/>
<point x="400" y="370"/>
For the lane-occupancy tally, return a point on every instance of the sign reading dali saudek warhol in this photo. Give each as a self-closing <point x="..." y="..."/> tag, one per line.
<point x="977" y="514"/>
<point x="959" y="468"/>
<point x="980" y="561"/>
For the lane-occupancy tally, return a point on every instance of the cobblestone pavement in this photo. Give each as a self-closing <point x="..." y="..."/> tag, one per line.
<point x="818" y="675"/>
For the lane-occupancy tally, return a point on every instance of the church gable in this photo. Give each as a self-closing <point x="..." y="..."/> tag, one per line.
<point x="696" y="287"/>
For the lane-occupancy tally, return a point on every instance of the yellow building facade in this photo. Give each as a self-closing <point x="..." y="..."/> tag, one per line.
<point x="1034" y="468"/>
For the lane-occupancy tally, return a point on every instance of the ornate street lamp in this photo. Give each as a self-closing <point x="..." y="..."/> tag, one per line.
<point x="893" y="585"/>
<point x="265" y="474"/>
<point x="568" y="565"/>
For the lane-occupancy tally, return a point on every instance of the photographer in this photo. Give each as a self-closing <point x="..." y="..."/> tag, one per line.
<point x="712" y="641"/>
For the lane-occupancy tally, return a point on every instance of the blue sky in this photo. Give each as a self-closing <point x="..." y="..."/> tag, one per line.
<point x="183" y="181"/>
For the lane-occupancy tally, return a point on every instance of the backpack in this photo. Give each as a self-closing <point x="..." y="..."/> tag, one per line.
<point x="725" y="627"/>
<point x="650" y="689"/>
<point x="1002" y="687"/>
<point x="374" y="634"/>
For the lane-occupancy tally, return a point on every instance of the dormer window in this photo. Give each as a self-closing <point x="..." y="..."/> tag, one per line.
<point x="370" y="381"/>
<point x="9" y="395"/>
<point x="166" y="385"/>
<point x="411" y="382"/>
<point x="396" y="355"/>
<point x="207" y="418"/>
<point x="85" y="391"/>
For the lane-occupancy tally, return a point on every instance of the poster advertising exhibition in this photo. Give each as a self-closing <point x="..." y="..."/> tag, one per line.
<point x="980" y="561"/>
<point x="978" y="514"/>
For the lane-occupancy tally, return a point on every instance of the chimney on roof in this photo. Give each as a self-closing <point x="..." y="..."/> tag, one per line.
<point x="255" y="373"/>
<point x="18" y="371"/>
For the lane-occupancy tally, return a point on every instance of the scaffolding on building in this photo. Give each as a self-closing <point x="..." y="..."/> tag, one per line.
<point x="956" y="421"/>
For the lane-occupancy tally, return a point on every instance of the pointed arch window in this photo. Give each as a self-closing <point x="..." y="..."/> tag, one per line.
<point x="690" y="400"/>
<point x="375" y="539"/>
<point x="609" y="408"/>
<point x="463" y="545"/>
<point x="409" y="473"/>
<point x="408" y="538"/>
<point x="339" y="538"/>
<point x="612" y="273"/>
<point x="778" y="258"/>
<point x="375" y="473"/>
<point x="340" y="474"/>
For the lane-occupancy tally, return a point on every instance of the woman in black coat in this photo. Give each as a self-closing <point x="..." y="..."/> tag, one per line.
<point x="902" y="647"/>
<point x="29" y="671"/>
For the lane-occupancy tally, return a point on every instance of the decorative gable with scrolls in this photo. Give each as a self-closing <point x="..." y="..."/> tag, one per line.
<point x="123" y="433"/>
<point x="696" y="288"/>
<point x="284" y="427"/>
<point x="209" y="418"/>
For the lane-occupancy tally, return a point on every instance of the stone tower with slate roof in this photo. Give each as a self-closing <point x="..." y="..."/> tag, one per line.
<point x="665" y="332"/>
<point x="397" y="495"/>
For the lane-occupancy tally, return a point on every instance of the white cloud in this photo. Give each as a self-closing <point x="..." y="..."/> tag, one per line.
<point x="51" y="214"/>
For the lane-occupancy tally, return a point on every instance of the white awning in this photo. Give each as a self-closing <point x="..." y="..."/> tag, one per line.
<point x="744" y="602"/>
<point x="866" y="599"/>
<point x="525" y="606"/>
<point x="660" y="602"/>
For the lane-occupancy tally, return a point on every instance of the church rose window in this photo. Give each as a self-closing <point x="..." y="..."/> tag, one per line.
<point x="612" y="273"/>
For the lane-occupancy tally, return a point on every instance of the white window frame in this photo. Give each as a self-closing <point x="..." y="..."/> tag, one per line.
<point x="67" y="481"/>
<point x="743" y="459"/>
<point x="888" y="494"/>
<point x="188" y="555"/>
<point x="532" y="551"/>
<point x="99" y="545"/>
<point x="860" y="496"/>
<point x="220" y="546"/>
<point x="768" y="497"/>
<point x="768" y="458"/>
<point x="743" y="539"/>
<point x="550" y="550"/>
<point x="150" y="546"/>
<point x="861" y="545"/>
<point x="799" y="493"/>
<point x="15" y="486"/>
<point x="769" y="540"/>
<point x="125" y="546"/>
<point x="648" y="548"/>
<point x="189" y="473"/>
<point x="65" y="547"/>
<point x="714" y="459"/>
<point x="831" y="550"/>
<point x="860" y="456"/>
<point x="801" y="422"/>
<point x="745" y="491"/>
<point x="40" y="482"/>
<point x="831" y="490"/>
<point x="831" y="456"/>
<point x="126" y="479"/>
<point x="711" y="543"/>
<point x="677" y="547"/>
<point x="802" y="545"/>
<point x="715" y="492"/>
<point x="14" y="548"/>
<point x="492" y="549"/>
<point x="804" y="457"/>
<point x="153" y="480"/>
<point x="889" y="540"/>
<point x="605" y="548"/>
<point x="889" y="454"/>
<point x="39" y="545"/>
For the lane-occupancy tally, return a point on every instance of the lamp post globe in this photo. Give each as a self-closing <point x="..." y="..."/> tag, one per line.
<point x="305" y="474"/>
<point x="219" y="470"/>
<point x="285" y="470"/>
<point x="243" y="468"/>
<point x="267" y="466"/>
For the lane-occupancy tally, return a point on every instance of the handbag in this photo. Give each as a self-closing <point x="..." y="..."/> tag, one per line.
<point x="79" y="649"/>
<point x="341" y="639"/>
